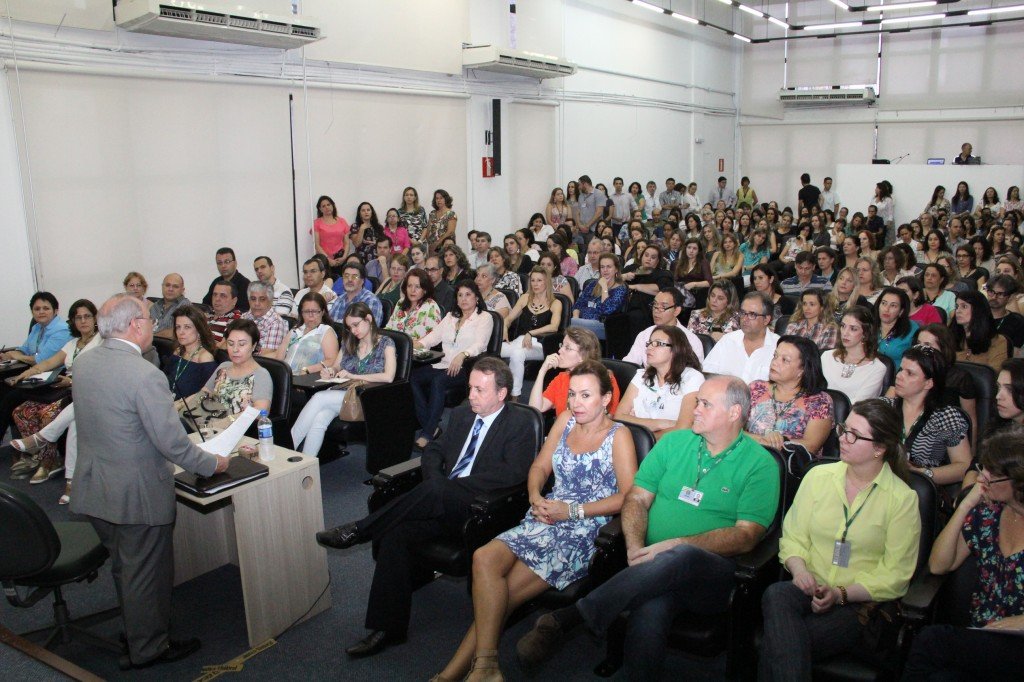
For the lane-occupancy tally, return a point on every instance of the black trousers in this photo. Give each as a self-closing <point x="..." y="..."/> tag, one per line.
<point x="435" y="508"/>
<point x="10" y="398"/>
<point x="947" y="654"/>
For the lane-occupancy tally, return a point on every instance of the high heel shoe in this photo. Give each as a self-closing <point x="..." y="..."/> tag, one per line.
<point x="486" y="662"/>
<point x="30" y="445"/>
<point x="66" y="497"/>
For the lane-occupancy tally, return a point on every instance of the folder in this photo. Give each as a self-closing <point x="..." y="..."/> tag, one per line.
<point x="240" y="471"/>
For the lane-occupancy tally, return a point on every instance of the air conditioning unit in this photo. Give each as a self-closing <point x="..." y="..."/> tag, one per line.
<point x="827" y="96"/>
<point x="515" y="62"/>
<point x="218" y="20"/>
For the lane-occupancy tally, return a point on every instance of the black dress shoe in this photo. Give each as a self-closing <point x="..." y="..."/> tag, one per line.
<point x="373" y="643"/>
<point x="339" y="537"/>
<point x="176" y="651"/>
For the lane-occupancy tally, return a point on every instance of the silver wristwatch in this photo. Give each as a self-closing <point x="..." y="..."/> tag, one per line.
<point x="929" y="473"/>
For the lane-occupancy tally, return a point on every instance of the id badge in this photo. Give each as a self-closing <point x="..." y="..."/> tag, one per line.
<point x="592" y="304"/>
<point x="691" y="496"/>
<point x="841" y="554"/>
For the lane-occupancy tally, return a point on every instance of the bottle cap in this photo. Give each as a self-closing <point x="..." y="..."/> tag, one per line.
<point x="263" y="413"/>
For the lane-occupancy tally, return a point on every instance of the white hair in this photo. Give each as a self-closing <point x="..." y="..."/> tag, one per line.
<point x="260" y="288"/>
<point x="117" y="314"/>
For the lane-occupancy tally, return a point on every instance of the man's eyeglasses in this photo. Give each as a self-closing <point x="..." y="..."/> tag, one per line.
<point x="992" y="293"/>
<point x="432" y="269"/>
<point x="225" y="262"/>
<point x="747" y="315"/>
<point x="851" y="437"/>
<point x="662" y="308"/>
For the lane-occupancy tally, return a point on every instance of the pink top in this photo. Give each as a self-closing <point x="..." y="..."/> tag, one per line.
<point x="332" y="237"/>
<point x="926" y="314"/>
<point x="399" y="239"/>
<point x="569" y="266"/>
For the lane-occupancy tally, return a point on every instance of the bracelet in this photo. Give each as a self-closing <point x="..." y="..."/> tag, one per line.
<point x="843" y="601"/>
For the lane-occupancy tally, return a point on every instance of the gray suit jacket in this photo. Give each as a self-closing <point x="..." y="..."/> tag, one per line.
<point x="128" y="435"/>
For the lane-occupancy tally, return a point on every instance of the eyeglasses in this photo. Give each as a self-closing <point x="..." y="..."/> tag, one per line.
<point x="574" y="349"/>
<point x="997" y="294"/>
<point x="225" y="262"/>
<point x="312" y="312"/>
<point x="432" y="269"/>
<point x="927" y="350"/>
<point x="983" y="476"/>
<point x="851" y="437"/>
<point x="658" y="344"/>
<point x="747" y="315"/>
<point x="662" y="308"/>
<point x="83" y="318"/>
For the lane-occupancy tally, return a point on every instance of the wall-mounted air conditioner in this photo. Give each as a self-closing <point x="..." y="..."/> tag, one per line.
<point x="219" y="20"/>
<point x="515" y="62"/>
<point x="828" y="96"/>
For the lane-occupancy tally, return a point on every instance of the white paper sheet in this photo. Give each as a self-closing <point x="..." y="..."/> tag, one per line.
<point x="224" y="443"/>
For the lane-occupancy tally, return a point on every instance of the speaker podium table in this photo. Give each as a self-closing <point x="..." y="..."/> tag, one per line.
<point x="267" y="528"/>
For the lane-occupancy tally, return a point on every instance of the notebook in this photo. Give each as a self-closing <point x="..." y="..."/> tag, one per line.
<point x="240" y="471"/>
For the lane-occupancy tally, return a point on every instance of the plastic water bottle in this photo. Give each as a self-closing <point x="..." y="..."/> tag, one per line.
<point x="266" y="434"/>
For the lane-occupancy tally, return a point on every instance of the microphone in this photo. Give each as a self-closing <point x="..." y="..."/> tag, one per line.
<point x="188" y="411"/>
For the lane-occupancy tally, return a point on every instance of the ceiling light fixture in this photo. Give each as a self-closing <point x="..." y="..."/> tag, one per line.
<point x="778" y="22"/>
<point x="751" y="10"/>
<point x="840" y="4"/>
<point x="829" y="27"/>
<point x="647" y="5"/>
<point x="737" y="36"/>
<point x="902" y="20"/>
<point x="683" y="17"/>
<point x="995" y="10"/>
<point x="902" y="5"/>
<point x="726" y="2"/>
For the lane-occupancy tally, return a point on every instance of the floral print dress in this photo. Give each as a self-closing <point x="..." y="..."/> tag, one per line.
<point x="1000" y="591"/>
<point x="561" y="553"/>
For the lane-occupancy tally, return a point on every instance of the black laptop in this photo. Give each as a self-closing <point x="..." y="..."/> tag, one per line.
<point x="240" y="471"/>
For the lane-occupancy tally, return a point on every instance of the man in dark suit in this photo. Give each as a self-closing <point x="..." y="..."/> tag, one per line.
<point x="128" y="436"/>
<point x="487" y="446"/>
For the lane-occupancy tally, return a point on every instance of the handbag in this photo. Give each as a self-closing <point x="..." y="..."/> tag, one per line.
<point x="880" y="633"/>
<point x="351" y="406"/>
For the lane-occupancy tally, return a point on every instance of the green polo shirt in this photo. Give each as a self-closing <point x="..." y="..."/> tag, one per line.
<point x="744" y="486"/>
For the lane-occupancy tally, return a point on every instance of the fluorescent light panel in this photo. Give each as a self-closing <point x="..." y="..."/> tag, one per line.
<point x="778" y="22"/>
<point x="840" y="4"/>
<point x="829" y="27"/>
<point x="995" y="10"/>
<point x="902" y="5"/>
<point x="737" y="36"/>
<point x="683" y="17"/>
<point x="750" y="10"/>
<point x="647" y="5"/>
<point x="903" y="20"/>
<point x="726" y="2"/>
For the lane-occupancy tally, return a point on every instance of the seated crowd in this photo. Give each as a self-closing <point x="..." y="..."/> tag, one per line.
<point x="746" y="328"/>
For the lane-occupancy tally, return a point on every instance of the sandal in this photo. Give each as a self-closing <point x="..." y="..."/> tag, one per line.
<point x="43" y="474"/>
<point x="66" y="497"/>
<point x="30" y="445"/>
<point x="486" y="662"/>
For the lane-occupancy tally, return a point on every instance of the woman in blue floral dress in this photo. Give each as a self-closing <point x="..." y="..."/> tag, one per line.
<point x="594" y="462"/>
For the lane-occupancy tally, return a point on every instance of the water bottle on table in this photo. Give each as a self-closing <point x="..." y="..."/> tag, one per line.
<point x="265" y="430"/>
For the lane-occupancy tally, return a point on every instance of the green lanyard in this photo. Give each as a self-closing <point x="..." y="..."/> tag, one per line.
<point x="851" y="519"/>
<point x="702" y="470"/>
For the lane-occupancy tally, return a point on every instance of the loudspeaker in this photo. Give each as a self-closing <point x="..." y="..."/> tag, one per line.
<point x="496" y="134"/>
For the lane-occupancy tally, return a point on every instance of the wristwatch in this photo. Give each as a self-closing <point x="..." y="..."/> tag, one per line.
<point x="929" y="473"/>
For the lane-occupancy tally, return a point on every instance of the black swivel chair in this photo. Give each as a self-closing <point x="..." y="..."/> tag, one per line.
<point x="574" y="287"/>
<point x="623" y="372"/>
<point x="43" y="556"/>
<point x="984" y="380"/>
<point x="781" y="324"/>
<point x="840" y="411"/>
<point x="890" y="372"/>
<point x="492" y="513"/>
<point x="164" y="347"/>
<point x="511" y="295"/>
<point x="704" y="635"/>
<point x="281" y="398"/>
<point x="387" y="307"/>
<point x="390" y="419"/>
<point x="707" y="342"/>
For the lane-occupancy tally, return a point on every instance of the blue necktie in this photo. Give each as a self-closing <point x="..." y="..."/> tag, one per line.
<point x="467" y="458"/>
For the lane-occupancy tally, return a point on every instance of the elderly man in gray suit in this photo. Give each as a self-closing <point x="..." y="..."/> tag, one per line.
<point x="128" y="436"/>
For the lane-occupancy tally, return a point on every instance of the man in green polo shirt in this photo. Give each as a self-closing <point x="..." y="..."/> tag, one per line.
<point x="700" y="497"/>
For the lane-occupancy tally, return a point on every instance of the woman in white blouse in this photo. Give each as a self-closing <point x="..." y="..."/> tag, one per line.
<point x="853" y="367"/>
<point x="463" y="333"/>
<point x="312" y="345"/>
<point x="659" y="395"/>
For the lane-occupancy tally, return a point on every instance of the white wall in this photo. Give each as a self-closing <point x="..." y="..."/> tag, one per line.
<point x="937" y="90"/>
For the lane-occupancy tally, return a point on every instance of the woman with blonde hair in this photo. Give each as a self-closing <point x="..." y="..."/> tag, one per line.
<point x="814" y="319"/>
<point x="721" y="314"/>
<point x="728" y="261"/>
<point x="868" y="279"/>
<point x="536" y="312"/>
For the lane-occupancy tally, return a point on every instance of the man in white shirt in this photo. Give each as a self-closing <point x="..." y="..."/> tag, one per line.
<point x="746" y="353"/>
<point x="591" y="269"/>
<point x="313" y="276"/>
<point x="668" y="303"/>
<point x="481" y="244"/>
<point x="690" y="202"/>
<point x="720" y="193"/>
<point x="284" y="300"/>
<point x="624" y="204"/>
<point x="652" y="203"/>
<point x="828" y="199"/>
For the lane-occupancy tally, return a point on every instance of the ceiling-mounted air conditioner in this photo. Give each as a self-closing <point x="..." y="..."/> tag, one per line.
<point x="219" y="20"/>
<point x="515" y="62"/>
<point x="828" y="96"/>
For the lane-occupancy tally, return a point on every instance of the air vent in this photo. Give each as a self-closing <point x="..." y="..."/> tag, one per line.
<point x="514" y="62"/>
<point x="834" y="96"/>
<point x="175" y="13"/>
<point x="211" y="18"/>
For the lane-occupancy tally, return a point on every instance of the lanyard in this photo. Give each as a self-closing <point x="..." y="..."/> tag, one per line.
<point x="702" y="470"/>
<point x="850" y="519"/>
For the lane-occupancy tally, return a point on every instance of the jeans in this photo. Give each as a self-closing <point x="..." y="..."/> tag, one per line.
<point x="517" y="356"/>
<point x="654" y="592"/>
<point x="428" y="389"/>
<point x="943" y="653"/>
<point x="794" y="636"/>
<point x="596" y="326"/>
<point x="51" y="433"/>
<point x="316" y="416"/>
